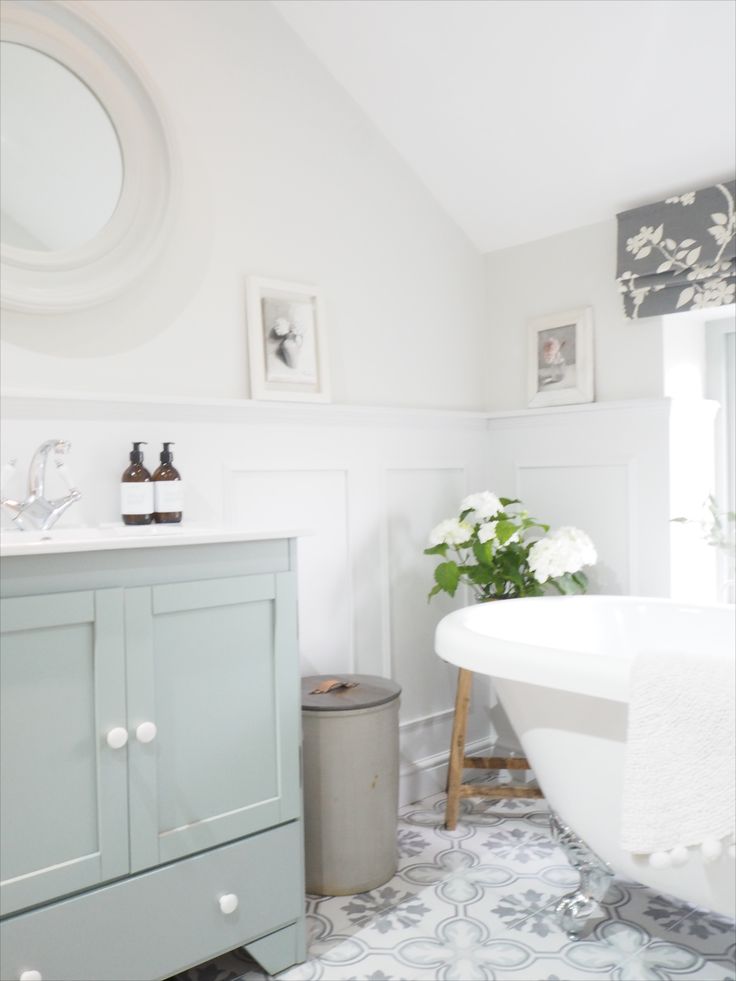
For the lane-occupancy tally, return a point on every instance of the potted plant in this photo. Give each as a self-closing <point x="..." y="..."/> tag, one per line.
<point x="500" y="552"/>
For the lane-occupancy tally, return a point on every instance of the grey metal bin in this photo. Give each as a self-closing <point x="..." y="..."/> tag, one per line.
<point x="351" y="784"/>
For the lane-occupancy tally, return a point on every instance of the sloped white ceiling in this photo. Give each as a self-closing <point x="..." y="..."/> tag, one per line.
<point x="526" y="118"/>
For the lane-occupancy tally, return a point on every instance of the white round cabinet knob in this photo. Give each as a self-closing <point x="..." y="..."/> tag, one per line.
<point x="146" y="732"/>
<point x="116" y="739"/>
<point x="31" y="975"/>
<point x="228" y="903"/>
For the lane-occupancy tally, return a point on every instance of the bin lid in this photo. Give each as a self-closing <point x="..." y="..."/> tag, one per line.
<point x="368" y="690"/>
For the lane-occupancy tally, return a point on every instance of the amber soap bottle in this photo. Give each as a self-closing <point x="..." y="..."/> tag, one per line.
<point x="136" y="491"/>
<point x="168" y="490"/>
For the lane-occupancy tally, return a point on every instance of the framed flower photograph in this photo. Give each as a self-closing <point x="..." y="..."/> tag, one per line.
<point x="286" y="341"/>
<point x="560" y="358"/>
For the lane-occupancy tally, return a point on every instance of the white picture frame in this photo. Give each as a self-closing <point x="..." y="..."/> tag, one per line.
<point x="287" y="343"/>
<point x="560" y="358"/>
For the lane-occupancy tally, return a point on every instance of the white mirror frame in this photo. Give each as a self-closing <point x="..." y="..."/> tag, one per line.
<point x="83" y="276"/>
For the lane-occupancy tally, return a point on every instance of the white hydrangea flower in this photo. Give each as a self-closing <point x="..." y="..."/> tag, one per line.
<point x="450" y="532"/>
<point x="484" y="505"/>
<point x="566" y="550"/>
<point x="487" y="532"/>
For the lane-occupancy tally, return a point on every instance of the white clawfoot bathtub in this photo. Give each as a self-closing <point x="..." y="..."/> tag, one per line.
<point x="561" y="668"/>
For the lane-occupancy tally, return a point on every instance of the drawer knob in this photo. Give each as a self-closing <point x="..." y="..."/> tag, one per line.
<point x="30" y="976"/>
<point x="228" y="903"/>
<point x="146" y="732"/>
<point x="116" y="739"/>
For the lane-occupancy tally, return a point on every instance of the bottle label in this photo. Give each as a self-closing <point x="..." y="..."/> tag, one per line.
<point x="168" y="496"/>
<point x="136" y="498"/>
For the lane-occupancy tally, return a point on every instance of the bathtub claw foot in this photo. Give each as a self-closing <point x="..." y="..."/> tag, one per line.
<point x="575" y="909"/>
<point x="573" y="913"/>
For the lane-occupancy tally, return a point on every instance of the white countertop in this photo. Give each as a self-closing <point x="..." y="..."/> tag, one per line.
<point x="107" y="537"/>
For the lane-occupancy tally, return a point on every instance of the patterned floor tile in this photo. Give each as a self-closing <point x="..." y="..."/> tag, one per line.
<point x="387" y="914"/>
<point x="479" y="903"/>
<point x="625" y="950"/>
<point x="520" y="845"/>
<point x="716" y="970"/>
<point x="708" y="933"/>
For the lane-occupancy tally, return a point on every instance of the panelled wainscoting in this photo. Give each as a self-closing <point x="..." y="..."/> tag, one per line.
<point x="366" y="484"/>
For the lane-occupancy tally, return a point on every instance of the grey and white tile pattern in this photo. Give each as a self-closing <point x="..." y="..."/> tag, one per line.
<point x="478" y="903"/>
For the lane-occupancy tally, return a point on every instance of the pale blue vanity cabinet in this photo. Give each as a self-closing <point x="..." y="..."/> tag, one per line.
<point x="63" y="806"/>
<point x="151" y="800"/>
<point x="211" y="663"/>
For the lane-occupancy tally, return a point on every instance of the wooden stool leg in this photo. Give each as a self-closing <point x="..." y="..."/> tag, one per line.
<point x="457" y="747"/>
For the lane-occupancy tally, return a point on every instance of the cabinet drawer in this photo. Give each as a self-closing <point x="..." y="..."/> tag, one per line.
<point x="161" y="922"/>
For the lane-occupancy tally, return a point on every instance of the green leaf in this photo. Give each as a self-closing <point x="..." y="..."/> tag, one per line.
<point x="509" y="500"/>
<point x="440" y="549"/>
<point x="447" y="576"/>
<point x="530" y="523"/>
<point x="504" y="530"/>
<point x="582" y="581"/>
<point x="511" y="560"/>
<point x="479" y="574"/>
<point x="533" y="523"/>
<point x="433" y="592"/>
<point x="508" y="577"/>
<point x="483" y="551"/>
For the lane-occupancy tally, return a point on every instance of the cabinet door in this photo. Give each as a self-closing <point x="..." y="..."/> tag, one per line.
<point x="63" y="804"/>
<point x="213" y="665"/>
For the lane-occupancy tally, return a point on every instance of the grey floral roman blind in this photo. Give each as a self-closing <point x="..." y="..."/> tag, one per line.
<point x="678" y="254"/>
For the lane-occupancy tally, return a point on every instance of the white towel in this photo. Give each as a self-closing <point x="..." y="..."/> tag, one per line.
<point x="680" y="767"/>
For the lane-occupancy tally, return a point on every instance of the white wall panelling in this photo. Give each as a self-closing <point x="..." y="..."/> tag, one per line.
<point x="367" y="483"/>
<point x="580" y="494"/>
<point x="370" y="483"/>
<point x="621" y="471"/>
<point x="416" y="498"/>
<point x="603" y="467"/>
<point x="317" y="501"/>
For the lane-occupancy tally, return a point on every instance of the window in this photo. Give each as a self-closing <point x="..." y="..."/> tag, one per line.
<point x="721" y="386"/>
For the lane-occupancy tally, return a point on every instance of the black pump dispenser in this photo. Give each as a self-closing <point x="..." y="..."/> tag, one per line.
<point x="136" y="490"/>
<point x="136" y="455"/>
<point x="168" y="490"/>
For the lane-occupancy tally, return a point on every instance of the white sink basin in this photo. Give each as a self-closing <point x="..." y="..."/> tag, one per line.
<point x="105" y="537"/>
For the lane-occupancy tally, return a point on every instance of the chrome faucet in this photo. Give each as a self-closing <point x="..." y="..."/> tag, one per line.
<point x="35" y="510"/>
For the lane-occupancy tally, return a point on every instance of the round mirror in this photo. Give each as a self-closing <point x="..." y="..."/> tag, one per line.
<point x="62" y="169"/>
<point x="87" y="175"/>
